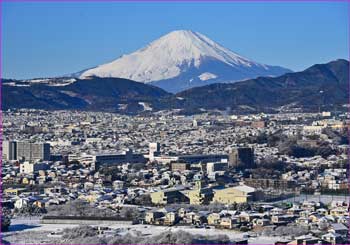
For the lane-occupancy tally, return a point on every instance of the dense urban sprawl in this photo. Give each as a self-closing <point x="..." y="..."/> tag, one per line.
<point x="277" y="175"/>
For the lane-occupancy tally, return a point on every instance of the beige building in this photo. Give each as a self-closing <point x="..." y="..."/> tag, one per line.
<point x="180" y="166"/>
<point x="170" y="218"/>
<point x="152" y="216"/>
<point x="172" y="195"/>
<point x="228" y="222"/>
<point x="338" y="211"/>
<point x="229" y="195"/>
<point x="214" y="219"/>
<point x="237" y="194"/>
<point x="200" y="195"/>
<point x="14" y="191"/>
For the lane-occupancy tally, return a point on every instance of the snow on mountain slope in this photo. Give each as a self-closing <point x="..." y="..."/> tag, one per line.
<point x="180" y="52"/>
<point x="53" y="82"/>
<point x="206" y="76"/>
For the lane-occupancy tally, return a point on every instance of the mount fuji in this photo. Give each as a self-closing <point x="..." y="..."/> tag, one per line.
<point x="298" y="91"/>
<point x="181" y="60"/>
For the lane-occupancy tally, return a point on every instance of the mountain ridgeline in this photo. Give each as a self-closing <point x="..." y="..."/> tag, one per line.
<point x="322" y="86"/>
<point x="181" y="60"/>
<point x="94" y="94"/>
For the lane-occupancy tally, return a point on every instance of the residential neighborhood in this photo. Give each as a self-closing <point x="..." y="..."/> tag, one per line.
<point x="284" y="176"/>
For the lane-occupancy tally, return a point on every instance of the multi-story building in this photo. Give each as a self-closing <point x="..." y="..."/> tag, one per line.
<point x="241" y="157"/>
<point x="205" y="158"/>
<point x="154" y="150"/>
<point x="216" y="166"/>
<point x="30" y="168"/>
<point x="278" y="184"/>
<point x="200" y="195"/>
<point x="237" y="194"/>
<point x="33" y="151"/>
<point x="167" y="196"/>
<point x="98" y="160"/>
<point x="180" y="166"/>
<point x="9" y="150"/>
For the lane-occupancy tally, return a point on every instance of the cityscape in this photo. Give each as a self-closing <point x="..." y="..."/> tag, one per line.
<point x="279" y="176"/>
<point x="182" y="141"/>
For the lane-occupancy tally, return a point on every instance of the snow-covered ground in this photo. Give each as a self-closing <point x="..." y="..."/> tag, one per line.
<point x="317" y="198"/>
<point x="24" y="229"/>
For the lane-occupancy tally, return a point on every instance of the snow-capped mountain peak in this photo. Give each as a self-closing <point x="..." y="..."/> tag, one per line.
<point x="185" y="45"/>
<point x="177" y="53"/>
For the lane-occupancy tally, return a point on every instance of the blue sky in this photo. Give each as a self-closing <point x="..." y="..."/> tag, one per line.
<point x="48" y="39"/>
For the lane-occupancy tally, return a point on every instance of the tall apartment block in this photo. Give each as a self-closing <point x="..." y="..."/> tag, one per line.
<point x="9" y="150"/>
<point x="18" y="150"/>
<point x="241" y="157"/>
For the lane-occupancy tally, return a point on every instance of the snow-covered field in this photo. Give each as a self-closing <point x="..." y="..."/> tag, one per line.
<point x="317" y="198"/>
<point x="29" y="230"/>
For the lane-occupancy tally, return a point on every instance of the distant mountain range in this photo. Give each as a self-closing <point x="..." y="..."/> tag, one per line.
<point x="181" y="60"/>
<point x="322" y="85"/>
<point x="96" y="94"/>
